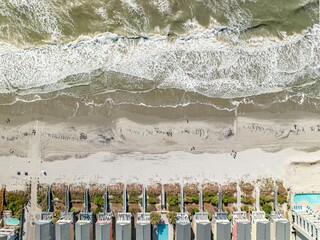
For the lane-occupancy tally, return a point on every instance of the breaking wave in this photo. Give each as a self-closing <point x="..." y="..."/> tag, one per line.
<point x="197" y="63"/>
<point x="160" y="52"/>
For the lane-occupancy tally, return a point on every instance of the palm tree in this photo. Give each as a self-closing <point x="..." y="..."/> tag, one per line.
<point x="172" y="217"/>
<point x="155" y="218"/>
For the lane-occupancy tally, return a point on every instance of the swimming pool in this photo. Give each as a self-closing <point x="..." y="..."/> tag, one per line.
<point x="311" y="198"/>
<point x="12" y="222"/>
<point x="162" y="231"/>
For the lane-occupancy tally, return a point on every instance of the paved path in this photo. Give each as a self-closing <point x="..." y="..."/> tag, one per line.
<point x="32" y="210"/>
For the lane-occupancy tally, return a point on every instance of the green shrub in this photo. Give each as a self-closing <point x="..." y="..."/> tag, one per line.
<point x="228" y="211"/>
<point x="15" y="201"/>
<point x="134" y="199"/>
<point x="153" y="200"/>
<point x="98" y="200"/>
<point x="173" y="200"/>
<point x="226" y="199"/>
<point x="192" y="211"/>
<point x="245" y="208"/>
<point x="134" y="209"/>
<point x="207" y="196"/>
<point x="187" y="199"/>
<point x="172" y="217"/>
<point x="57" y="215"/>
<point x="214" y="200"/>
<point x="97" y="210"/>
<point x="151" y="208"/>
<point x="116" y="199"/>
<point x="195" y="198"/>
<point x="155" y="218"/>
<point x="267" y="209"/>
<point x="175" y="208"/>
<point x="247" y="200"/>
<point x="282" y="200"/>
<point x="262" y="201"/>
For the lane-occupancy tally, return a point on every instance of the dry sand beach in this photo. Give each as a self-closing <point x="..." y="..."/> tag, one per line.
<point x="288" y="165"/>
<point x="130" y="147"/>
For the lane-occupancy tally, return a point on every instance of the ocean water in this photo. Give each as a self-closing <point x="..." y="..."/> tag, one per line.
<point x="161" y="53"/>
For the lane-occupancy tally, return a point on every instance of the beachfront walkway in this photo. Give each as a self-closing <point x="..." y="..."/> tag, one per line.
<point x="32" y="212"/>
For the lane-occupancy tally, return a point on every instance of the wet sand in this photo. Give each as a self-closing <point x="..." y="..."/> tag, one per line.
<point x="81" y="136"/>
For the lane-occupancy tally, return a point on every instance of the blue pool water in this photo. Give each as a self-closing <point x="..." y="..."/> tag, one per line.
<point x="12" y="221"/>
<point x="313" y="199"/>
<point x="162" y="231"/>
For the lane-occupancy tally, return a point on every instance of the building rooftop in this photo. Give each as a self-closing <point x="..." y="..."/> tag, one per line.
<point x="7" y="213"/>
<point x="201" y="217"/>
<point x="221" y="217"/>
<point x="66" y="217"/>
<point x="47" y="216"/>
<point x="143" y="218"/>
<point x="62" y="221"/>
<point x="259" y="216"/>
<point x="240" y="216"/>
<point x="85" y="216"/>
<point x="278" y="217"/>
<point x="104" y="216"/>
<point x="82" y="222"/>
<point x="44" y="221"/>
<point x="103" y="222"/>
<point x="182" y="218"/>
<point x="124" y="218"/>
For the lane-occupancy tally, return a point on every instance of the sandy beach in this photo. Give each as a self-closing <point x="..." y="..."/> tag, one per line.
<point x="288" y="165"/>
<point x="150" y="149"/>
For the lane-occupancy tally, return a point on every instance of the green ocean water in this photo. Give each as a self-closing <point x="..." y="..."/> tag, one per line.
<point x="161" y="53"/>
<point x="35" y="22"/>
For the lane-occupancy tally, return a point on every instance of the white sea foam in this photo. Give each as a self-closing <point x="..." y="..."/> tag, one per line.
<point x="163" y="6"/>
<point x="45" y="17"/>
<point x="238" y="18"/>
<point x="131" y="4"/>
<point x="102" y="12"/>
<point x="192" y="24"/>
<point x="198" y="63"/>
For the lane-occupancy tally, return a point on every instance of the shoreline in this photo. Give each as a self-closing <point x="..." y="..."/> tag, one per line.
<point x="125" y="132"/>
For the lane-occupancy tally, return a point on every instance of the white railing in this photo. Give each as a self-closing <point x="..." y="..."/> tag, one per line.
<point x="307" y="223"/>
